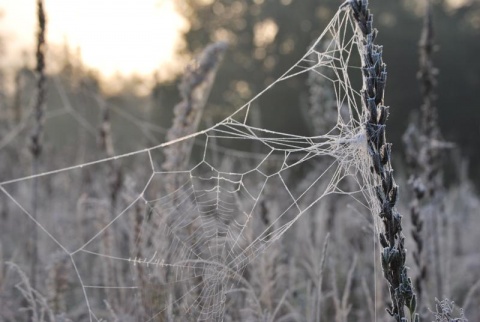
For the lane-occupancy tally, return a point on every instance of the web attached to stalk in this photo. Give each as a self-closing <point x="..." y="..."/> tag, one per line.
<point x="184" y="238"/>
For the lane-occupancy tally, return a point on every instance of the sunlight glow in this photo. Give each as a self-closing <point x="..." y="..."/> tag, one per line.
<point x="125" y="36"/>
<point x="455" y="4"/>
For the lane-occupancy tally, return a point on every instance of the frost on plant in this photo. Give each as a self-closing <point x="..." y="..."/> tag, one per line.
<point x="445" y="312"/>
<point x="185" y="247"/>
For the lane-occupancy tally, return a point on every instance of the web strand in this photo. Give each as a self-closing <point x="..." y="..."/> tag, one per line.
<point x="196" y="237"/>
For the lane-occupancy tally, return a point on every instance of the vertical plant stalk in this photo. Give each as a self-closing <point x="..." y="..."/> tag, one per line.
<point x="36" y="144"/>
<point x="17" y="97"/>
<point x="417" y="234"/>
<point x="115" y="182"/>
<point x="36" y="137"/>
<point x="115" y="174"/>
<point x="424" y="145"/>
<point x="419" y="147"/>
<point x="433" y="141"/>
<point x="427" y="76"/>
<point x="57" y="283"/>
<point x="194" y="89"/>
<point x="430" y="133"/>
<point x="137" y="245"/>
<point x="391" y="238"/>
<point x="105" y="131"/>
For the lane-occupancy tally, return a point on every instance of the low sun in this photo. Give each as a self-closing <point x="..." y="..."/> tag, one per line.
<point x="127" y="36"/>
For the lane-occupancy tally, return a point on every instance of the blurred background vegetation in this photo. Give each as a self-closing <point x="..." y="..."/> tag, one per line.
<point x="289" y="27"/>
<point x="265" y="38"/>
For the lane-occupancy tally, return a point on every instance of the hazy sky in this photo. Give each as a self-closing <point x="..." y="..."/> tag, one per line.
<point x="114" y="35"/>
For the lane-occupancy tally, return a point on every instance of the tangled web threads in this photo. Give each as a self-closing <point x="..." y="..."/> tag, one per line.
<point x="186" y="244"/>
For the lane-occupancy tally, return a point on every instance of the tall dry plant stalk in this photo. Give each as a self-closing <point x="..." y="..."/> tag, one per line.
<point x="57" y="282"/>
<point x="115" y="174"/>
<point x="36" y="137"/>
<point x="423" y="147"/>
<point x="36" y="144"/>
<point x="194" y="89"/>
<point x="419" y="154"/>
<point x="105" y="138"/>
<point x="430" y="132"/>
<point x="17" y="97"/>
<point x="138" y="247"/>
<point x="115" y="182"/>
<point x="392" y="239"/>
<point x="317" y="309"/>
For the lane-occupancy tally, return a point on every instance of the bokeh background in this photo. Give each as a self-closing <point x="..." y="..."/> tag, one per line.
<point x="113" y="73"/>
<point x="134" y="53"/>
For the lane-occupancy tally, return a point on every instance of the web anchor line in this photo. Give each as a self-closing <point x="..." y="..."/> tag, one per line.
<point x="188" y="244"/>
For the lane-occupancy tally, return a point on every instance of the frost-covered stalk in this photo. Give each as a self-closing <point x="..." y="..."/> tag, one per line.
<point x="429" y="158"/>
<point x="423" y="145"/>
<point x="432" y="145"/>
<point x="36" y="144"/>
<point x="194" y="89"/>
<point x="115" y="182"/>
<point x="391" y="238"/>
<point x="427" y="76"/>
<point x="418" y="147"/>
<point x="57" y="282"/>
<point x="115" y="175"/>
<point x="105" y="138"/>
<point x="17" y="97"/>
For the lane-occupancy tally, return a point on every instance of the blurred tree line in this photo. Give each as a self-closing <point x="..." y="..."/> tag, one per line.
<point x="265" y="38"/>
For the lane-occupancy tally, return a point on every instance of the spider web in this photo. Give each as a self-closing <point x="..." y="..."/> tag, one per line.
<point x="185" y="237"/>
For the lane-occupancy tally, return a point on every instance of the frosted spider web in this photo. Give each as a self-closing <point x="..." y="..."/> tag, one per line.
<point x="185" y="237"/>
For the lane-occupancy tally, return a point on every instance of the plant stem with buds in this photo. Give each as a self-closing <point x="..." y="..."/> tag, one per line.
<point x="392" y="239"/>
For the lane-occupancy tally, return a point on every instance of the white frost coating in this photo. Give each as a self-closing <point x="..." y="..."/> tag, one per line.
<point x="196" y="240"/>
